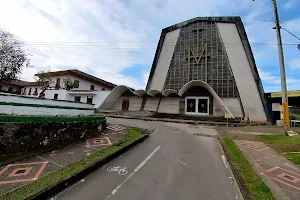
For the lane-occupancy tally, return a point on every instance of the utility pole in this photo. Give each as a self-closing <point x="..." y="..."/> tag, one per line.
<point x="285" y="109"/>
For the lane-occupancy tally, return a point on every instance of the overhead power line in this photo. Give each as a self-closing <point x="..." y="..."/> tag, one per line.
<point x="125" y="45"/>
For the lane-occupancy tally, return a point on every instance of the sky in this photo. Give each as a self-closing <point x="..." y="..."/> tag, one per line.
<point x="116" y="39"/>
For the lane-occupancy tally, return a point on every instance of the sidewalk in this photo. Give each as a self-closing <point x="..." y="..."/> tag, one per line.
<point x="19" y="173"/>
<point x="281" y="175"/>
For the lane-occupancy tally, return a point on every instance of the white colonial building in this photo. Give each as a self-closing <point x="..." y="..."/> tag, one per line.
<point x="88" y="89"/>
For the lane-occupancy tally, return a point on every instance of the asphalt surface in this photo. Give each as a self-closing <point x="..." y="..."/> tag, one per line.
<point x="171" y="164"/>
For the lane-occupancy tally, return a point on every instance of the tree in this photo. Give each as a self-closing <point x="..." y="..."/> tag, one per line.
<point x="69" y="84"/>
<point x="13" y="57"/>
<point x="43" y="78"/>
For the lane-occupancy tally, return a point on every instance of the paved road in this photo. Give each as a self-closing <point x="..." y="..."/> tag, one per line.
<point x="172" y="164"/>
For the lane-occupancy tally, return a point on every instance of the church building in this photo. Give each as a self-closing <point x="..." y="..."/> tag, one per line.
<point x="202" y="67"/>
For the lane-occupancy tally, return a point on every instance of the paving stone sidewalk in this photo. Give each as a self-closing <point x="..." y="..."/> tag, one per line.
<point x="16" y="174"/>
<point x="281" y="175"/>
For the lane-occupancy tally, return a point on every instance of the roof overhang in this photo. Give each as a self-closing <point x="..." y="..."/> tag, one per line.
<point x="139" y="93"/>
<point x="153" y="92"/>
<point x="81" y="92"/>
<point x="168" y="92"/>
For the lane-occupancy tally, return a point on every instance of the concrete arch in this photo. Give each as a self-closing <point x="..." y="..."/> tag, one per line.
<point x="139" y="93"/>
<point x="168" y="92"/>
<point x="209" y="88"/>
<point x="114" y="95"/>
<point x="153" y="92"/>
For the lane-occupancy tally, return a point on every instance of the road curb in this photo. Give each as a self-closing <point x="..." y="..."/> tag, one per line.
<point x="177" y="121"/>
<point x="52" y="190"/>
<point x="236" y="173"/>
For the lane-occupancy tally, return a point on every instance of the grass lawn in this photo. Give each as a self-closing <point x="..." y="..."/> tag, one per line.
<point x="294" y="157"/>
<point x="285" y="145"/>
<point x="64" y="173"/>
<point x="256" y="188"/>
<point x="279" y="139"/>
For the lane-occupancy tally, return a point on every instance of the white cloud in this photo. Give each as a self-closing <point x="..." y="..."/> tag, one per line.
<point x="295" y="63"/>
<point x="268" y="78"/>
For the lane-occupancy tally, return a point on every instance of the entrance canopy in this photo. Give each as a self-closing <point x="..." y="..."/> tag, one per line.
<point x="199" y="83"/>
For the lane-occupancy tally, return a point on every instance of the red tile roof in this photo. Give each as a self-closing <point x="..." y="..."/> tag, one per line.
<point x="23" y="83"/>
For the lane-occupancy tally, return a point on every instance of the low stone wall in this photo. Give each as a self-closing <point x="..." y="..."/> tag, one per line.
<point x="21" y="105"/>
<point x="31" y="134"/>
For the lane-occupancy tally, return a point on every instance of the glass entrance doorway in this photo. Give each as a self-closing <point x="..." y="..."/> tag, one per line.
<point x="197" y="105"/>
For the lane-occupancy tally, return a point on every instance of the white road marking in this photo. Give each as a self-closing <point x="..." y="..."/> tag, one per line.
<point x="180" y="160"/>
<point x="132" y="173"/>
<point x="224" y="160"/>
<point x="49" y="161"/>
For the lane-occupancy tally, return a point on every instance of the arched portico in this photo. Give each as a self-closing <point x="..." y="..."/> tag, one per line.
<point x="200" y="104"/>
<point x="114" y="95"/>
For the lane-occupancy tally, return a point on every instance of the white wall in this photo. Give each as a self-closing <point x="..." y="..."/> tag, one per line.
<point x="169" y="105"/>
<point x="23" y="110"/>
<point x="151" y="103"/>
<point x="83" y="84"/>
<point x="217" y="109"/>
<point x="233" y="104"/>
<point x="62" y="94"/>
<point x="241" y="69"/>
<point x="118" y="104"/>
<point x="135" y="103"/>
<point x="5" y="87"/>
<point x="164" y="60"/>
<point x="29" y="110"/>
<point x="100" y="97"/>
<point x="27" y="88"/>
<point x="20" y="99"/>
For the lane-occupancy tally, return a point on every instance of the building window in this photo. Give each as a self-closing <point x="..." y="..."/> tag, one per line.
<point x="77" y="98"/>
<point x="92" y="87"/>
<point x="35" y="92"/>
<point x="197" y="105"/>
<point x="10" y="90"/>
<point x="24" y="91"/>
<point x="57" y="85"/>
<point x="125" y="104"/>
<point x="89" y="100"/>
<point x="55" y="96"/>
<point x="76" y="84"/>
<point x="29" y="93"/>
<point x="103" y="89"/>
